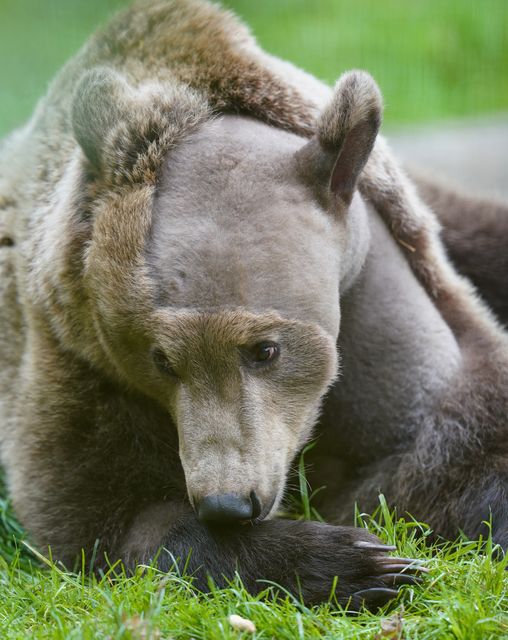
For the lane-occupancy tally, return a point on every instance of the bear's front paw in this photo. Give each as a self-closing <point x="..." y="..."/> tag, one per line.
<point x="355" y="564"/>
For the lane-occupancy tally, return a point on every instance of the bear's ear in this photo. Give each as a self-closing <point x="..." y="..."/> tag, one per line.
<point x="346" y="132"/>
<point x="102" y="99"/>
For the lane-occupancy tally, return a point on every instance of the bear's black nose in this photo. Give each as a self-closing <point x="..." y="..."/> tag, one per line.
<point x="228" y="508"/>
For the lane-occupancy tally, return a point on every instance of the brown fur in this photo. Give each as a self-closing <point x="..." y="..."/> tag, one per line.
<point x="89" y="429"/>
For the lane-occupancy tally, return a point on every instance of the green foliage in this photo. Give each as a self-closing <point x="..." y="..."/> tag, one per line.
<point x="301" y="502"/>
<point x="464" y="597"/>
<point x="433" y="59"/>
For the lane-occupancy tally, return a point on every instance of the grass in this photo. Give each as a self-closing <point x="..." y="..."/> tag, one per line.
<point x="433" y="59"/>
<point x="464" y="597"/>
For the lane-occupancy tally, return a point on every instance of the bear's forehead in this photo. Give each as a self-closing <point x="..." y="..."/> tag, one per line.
<point x="230" y="153"/>
<point x="229" y="186"/>
<point x="234" y="225"/>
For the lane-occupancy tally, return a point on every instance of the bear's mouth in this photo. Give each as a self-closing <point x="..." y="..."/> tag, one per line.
<point x="264" y="512"/>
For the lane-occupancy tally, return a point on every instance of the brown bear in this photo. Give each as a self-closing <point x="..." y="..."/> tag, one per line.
<point x="184" y="248"/>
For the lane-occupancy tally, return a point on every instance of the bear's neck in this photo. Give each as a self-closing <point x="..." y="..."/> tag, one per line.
<point x="397" y="354"/>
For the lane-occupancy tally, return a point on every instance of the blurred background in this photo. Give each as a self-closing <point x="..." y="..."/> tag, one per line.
<point x="442" y="65"/>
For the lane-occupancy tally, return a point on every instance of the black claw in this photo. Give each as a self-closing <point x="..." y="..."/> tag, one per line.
<point x="376" y="594"/>
<point x="373" y="546"/>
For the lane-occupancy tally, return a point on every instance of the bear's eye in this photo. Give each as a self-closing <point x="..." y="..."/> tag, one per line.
<point x="262" y="353"/>
<point x="162" y="363"/>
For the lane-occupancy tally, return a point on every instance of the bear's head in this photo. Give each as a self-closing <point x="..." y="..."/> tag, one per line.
<point x="219" y="249"/>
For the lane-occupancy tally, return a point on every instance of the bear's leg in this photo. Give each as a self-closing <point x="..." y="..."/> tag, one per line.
<point x="452" y="474"/>
<point x="448" y="469"/>
<point x="303" y="558"/>
<point x="451" y="497"/>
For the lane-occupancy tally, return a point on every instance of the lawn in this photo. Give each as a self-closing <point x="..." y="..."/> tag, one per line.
<point x="464" y="597"/>
<point x="434" y="59"/>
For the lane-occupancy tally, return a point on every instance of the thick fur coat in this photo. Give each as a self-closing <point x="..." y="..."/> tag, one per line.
<point x="90" y="448"/>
